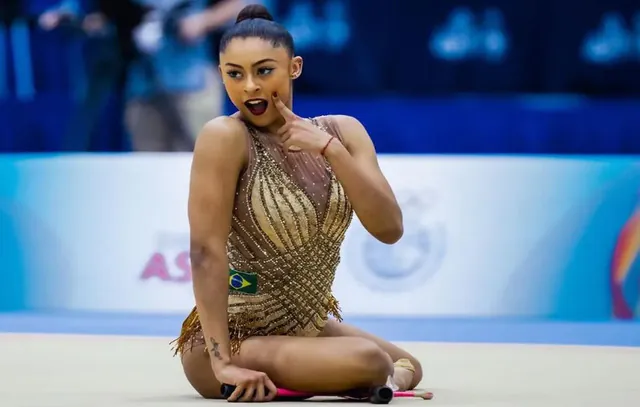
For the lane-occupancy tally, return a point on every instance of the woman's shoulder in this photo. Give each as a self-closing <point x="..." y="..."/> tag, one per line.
<point x="223" y="133"/>
<point x="338" y="124"/>
<point x="225" y="126"/>
<point x="225" y="129"/>
<point x="336" y="119"/>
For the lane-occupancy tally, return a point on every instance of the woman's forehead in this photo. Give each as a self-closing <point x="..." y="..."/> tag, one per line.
<point x="243" y="51"/>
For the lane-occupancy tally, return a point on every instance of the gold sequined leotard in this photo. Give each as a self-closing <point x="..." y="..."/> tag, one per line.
<point x="288" y="224"/>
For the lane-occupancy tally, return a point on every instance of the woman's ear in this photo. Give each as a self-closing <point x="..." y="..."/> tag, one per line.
<point x="296" y="67"/>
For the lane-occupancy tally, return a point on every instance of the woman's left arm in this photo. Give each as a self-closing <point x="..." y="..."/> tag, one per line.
<point x="356" y="166"/>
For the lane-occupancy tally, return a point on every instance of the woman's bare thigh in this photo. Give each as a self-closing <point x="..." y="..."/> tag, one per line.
<point x="318" y="365"/>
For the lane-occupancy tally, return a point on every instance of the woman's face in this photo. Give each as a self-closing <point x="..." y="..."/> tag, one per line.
<point x="252" y="71"/>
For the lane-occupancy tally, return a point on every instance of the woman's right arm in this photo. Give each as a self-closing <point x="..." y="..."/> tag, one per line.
<point x="219" y="156"/>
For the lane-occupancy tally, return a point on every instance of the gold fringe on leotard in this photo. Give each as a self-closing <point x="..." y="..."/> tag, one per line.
<point x="289" y="221"/>
<point x="191" y="333"/>
<point x="190" y="328"/>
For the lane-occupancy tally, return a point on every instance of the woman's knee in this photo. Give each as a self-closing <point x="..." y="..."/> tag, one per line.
<point x="375" y="363"/>
<point x="197" y="369"/>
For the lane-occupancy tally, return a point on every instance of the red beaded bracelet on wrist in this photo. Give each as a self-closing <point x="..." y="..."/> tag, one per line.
<point x="326" y="145"/>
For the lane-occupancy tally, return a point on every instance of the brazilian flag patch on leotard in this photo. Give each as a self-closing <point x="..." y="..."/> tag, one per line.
<point x="242" y="282"/>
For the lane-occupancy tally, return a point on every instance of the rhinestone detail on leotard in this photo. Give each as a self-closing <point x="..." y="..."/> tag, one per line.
<point x="289" y="221"/>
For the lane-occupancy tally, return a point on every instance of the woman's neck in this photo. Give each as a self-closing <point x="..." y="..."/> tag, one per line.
<point x="271" y="129"/>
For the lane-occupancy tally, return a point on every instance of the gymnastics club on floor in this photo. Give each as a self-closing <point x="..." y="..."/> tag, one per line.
<point x="378" y="395"/>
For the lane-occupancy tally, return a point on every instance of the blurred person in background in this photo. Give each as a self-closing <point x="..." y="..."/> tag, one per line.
<point x="162" y="49"/>
<point x="174" y="86"/>
<point x="10" y="11"/>
<point x="106" y="27"/>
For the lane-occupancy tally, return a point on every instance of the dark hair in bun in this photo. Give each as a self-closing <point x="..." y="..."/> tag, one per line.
<point x="254" y="11"/>
<point x="255" y="20"/>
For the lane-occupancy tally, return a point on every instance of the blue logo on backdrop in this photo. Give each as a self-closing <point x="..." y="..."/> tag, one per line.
<point x="330" y="33"/>
<point x="465" y="37"/>
<point x="613" y="42"/>
<point x="414" y="259"/>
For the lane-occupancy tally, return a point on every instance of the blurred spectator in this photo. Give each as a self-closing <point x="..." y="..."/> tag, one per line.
<point x="10" y="10"/>
<point x="175" y="72"/>
<point x="107" y="26"/>
<point x="163" y="48"/>
<point x="14" y="40"/>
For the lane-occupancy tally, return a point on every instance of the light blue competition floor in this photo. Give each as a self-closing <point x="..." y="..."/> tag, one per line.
<point x="395" y="329"/>
<point x="512" y="363"/>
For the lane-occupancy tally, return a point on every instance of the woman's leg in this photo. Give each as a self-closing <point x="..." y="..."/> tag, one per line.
<point x="406" y="380"/>
<point x="316" y="365"/>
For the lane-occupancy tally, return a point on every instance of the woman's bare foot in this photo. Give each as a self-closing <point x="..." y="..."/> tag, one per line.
<point x="402" y="378"/>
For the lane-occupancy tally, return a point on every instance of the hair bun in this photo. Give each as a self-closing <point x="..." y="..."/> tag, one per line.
<point x="254" y="11"/>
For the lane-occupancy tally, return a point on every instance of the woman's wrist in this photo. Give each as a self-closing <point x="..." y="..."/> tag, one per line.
<point x="327" y="144"/>
<point x="333" y="148"/>
<point x="217" y="365"/>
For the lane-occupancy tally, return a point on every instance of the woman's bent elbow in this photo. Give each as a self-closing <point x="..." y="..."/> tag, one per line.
<point x="204" y="258"/>
<point x="390" y="235"/>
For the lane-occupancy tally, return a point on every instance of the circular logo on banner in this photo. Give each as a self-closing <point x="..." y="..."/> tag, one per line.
<point x="412" y="260"/>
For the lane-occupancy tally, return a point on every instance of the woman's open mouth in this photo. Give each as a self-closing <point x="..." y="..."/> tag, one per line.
<point x="257" y="106"/>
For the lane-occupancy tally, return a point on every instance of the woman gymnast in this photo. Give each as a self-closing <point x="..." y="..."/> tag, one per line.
<point x="271" y="197"/>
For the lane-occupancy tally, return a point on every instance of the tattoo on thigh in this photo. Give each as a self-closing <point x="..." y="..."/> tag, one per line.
<point x="215" y="349"/>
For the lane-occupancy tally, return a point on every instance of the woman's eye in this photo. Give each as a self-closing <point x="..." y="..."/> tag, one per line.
<point x="234" y="74"/>
<point x="265" y="71"/>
